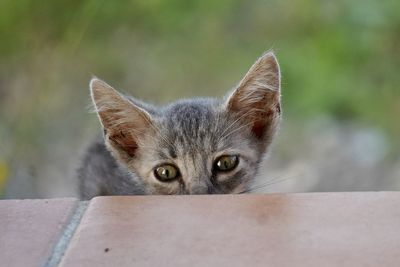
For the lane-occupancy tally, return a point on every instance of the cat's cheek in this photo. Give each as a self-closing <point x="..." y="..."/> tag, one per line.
<point x="239" y="189"/>
<point x="172" y="188"/>
<point x="226" y="177"/>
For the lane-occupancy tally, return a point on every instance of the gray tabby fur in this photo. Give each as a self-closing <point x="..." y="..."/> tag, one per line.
<point x="189" y="134"/>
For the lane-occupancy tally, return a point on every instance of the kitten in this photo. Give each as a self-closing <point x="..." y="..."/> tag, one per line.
<point x="194" y="146"/>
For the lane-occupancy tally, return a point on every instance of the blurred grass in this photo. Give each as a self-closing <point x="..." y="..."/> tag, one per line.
<point x="338" y="58"/>
<point x="3" y="176"/>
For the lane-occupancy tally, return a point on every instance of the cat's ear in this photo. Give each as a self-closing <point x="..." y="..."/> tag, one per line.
<point x="256" y="99"/>
<point x="124" y="123"/>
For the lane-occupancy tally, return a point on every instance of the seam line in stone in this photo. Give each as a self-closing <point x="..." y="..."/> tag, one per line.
<point x="64" y="240"/>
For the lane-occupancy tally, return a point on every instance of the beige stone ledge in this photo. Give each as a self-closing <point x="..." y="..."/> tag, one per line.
<point x="310" y="229"/>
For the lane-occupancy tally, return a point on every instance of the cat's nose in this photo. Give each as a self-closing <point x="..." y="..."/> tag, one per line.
<point x="201" y="189"/>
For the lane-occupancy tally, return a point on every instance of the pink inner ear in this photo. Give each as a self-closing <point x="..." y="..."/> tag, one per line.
<point x="258" y="129"/>
<point x="125" y="142"/>
<point x="261" y="123"/>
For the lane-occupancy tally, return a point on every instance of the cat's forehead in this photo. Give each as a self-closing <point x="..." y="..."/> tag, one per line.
<point x="191" y="122"/>
<point x="196" y="130"/>
<point x="190" y="113"/>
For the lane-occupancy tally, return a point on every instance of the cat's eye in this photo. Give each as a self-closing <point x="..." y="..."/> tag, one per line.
<point x="166" y="173"/>
<point x="226" y="163"/>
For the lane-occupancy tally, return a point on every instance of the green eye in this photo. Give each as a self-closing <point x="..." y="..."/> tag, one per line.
<point x="226" y="163"/>
<point x="166" y="173"/>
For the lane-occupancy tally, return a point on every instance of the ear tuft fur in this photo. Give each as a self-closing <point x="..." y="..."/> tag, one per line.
<point x="124" y="123"/>
<point x="256" y="99"/>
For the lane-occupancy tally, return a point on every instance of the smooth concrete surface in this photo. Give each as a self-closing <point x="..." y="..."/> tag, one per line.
<point x="311" y="229"/>
<point x="29" y="229"/>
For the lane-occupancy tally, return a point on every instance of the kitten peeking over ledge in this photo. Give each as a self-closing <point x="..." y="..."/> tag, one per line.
<point x="192" y="146"/>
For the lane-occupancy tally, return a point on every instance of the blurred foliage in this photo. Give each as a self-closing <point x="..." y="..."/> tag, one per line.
<point x="339" y="58"/>
<point x="3" y="176"/>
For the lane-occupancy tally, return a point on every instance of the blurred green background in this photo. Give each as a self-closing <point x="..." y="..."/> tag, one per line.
<point x="340" y="64"/>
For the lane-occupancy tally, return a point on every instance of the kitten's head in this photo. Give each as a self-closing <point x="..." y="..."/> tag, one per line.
<point x="198" y="146"/>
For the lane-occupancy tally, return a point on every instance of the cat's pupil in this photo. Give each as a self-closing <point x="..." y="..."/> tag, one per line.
<point x="166" y="173"/>
<point x="226" y="163"/>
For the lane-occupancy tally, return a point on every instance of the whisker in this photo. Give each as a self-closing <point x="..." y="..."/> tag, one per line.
<point x="159" y="132"/>
<point x="266" y="184"/>
<point x="236" y="130"/>
<point x="235" y="122"/>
